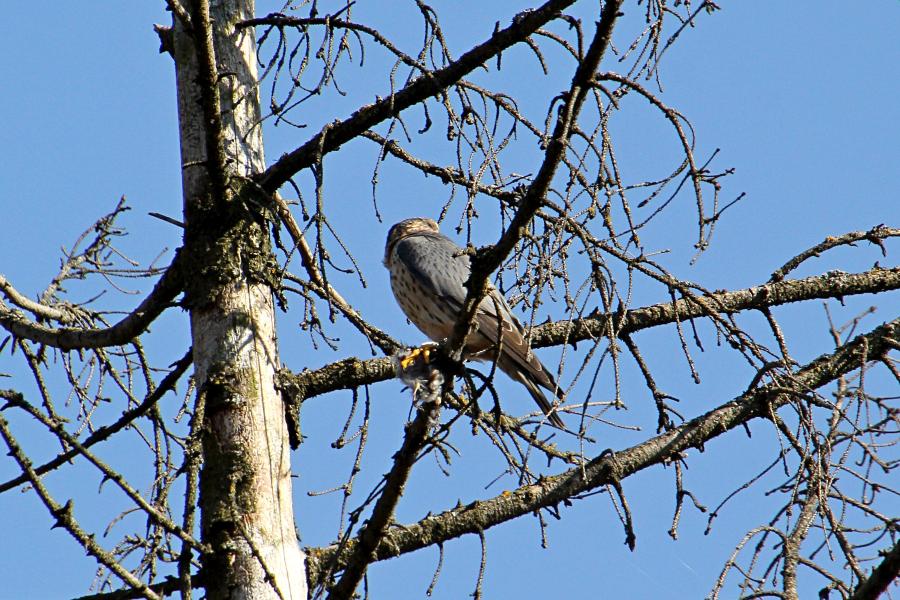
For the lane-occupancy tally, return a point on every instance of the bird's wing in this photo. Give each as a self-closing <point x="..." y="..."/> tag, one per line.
<point x="441" y="268"/>
<point x="435" y="261"/>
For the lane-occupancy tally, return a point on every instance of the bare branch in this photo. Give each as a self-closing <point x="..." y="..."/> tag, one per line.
<point x="882" y="576"/>
<point x="352" y="372"/>
<point x="17" y="400"/>
<point x="280" y="20"/>
<point x="102" y="433"/>
<point x="374" y="530"/>
<point x="36" y="308"/>
<point x="160" y="298"/>
<point x="609" y="467"/>
<point x="65" y="519"/>
<point x="876" y="236"/>
<point x="324" y="289"/>
<point x="340" y="132"/>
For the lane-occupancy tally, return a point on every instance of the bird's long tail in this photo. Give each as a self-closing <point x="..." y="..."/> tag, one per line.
<point x="534" y="388"/>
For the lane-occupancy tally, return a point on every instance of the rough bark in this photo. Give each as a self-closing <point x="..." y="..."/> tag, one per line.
<point x="245" y="482"/>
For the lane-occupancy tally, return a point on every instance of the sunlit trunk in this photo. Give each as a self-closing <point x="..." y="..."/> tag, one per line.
<point x="245" y="482"/>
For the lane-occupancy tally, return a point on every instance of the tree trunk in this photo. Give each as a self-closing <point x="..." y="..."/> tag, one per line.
<point x="245" y="482"/>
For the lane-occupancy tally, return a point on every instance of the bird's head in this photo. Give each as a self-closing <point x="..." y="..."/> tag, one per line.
<point x="404" y="229"/>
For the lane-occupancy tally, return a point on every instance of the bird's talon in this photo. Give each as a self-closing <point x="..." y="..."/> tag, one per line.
<point x="413" y="356"/>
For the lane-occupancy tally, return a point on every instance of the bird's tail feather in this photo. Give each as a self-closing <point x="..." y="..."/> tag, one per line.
<point x="535" y="390"/>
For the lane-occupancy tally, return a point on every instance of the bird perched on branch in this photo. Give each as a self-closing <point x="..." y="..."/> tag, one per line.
<point x="428" y="276"/>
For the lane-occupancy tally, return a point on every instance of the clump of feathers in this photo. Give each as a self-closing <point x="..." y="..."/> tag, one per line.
<point x="415" y="368"/>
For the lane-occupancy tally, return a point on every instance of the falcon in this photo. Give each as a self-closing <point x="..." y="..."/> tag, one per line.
<point x="428" y="275"/>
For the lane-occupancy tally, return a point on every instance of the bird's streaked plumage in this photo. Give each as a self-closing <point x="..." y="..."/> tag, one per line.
<point x="428" y="274"/>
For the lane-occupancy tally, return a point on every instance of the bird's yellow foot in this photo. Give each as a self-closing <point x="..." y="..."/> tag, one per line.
<point x="424" y="351"/>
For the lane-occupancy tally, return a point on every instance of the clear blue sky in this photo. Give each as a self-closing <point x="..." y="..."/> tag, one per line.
<point x="801" y="98"/>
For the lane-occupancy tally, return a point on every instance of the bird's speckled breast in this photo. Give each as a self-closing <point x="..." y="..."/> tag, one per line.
<point x="425" y="278"/>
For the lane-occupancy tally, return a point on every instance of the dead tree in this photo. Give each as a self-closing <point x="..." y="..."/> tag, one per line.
<point x="571" y="247"/>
